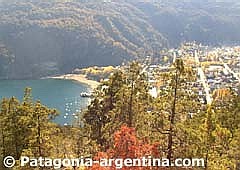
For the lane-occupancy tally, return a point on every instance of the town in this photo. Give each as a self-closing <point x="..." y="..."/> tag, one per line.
<point x="215" y="68"/>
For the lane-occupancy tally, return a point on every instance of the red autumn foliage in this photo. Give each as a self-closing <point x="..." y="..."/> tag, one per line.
<point x="126" y="145"/>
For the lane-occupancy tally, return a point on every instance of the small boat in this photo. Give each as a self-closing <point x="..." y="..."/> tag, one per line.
<point x="86" y="94"/>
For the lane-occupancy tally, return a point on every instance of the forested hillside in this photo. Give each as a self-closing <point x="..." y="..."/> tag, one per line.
<point x="55" y="36"/>
<point x="210" y="22"/>
<point x="124" y="121"/>
<point x="49" y="37"/>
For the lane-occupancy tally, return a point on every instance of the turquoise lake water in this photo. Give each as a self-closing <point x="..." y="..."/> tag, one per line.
<point x="64" y="95"/>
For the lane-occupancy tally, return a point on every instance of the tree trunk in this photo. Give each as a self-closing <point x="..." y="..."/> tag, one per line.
<point x="172" y="119"/>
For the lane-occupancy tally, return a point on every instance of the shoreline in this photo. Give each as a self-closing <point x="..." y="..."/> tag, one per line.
<point x="81" y="78"/>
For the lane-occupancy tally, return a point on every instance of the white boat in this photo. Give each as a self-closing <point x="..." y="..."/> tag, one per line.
<point x="86" y="94"/>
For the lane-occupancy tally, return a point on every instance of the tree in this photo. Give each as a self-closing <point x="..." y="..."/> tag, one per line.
<point x="26" y="127"/>
<point x="123" y="99"/>
<point x="42" y="128"/>
<point x="175" y="104"/>
<point x="127" y="145"/>
<point x="214" y="135"/>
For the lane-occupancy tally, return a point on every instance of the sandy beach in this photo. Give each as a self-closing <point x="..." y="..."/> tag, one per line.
<point x="78" y="77"/>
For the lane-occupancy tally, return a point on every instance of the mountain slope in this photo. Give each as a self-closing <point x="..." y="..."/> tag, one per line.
<point x="47" y="37"/>
<point x="210" y="22"/>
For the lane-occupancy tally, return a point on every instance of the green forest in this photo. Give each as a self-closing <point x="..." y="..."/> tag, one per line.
<point x="124" y="120"/>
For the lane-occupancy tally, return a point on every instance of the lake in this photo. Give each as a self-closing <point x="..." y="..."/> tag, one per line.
<point x="64" y="95"/>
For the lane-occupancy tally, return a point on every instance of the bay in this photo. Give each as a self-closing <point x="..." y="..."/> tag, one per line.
<point x="63" y="95"/>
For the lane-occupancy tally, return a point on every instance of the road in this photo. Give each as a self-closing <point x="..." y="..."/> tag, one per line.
<point x="229" y="69"/>
<point x="203" y="79"/>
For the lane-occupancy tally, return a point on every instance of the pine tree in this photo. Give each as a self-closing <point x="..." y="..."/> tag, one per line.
<point x="175" y="105"/>
<point x="123" y="99"/>
<point x="26" y="127"/>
